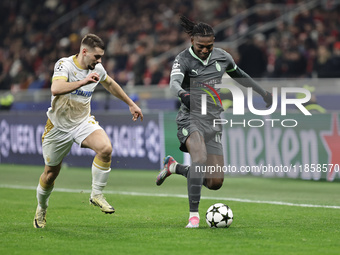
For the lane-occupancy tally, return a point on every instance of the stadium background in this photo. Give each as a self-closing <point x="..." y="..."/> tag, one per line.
<point x="294" y="42"/>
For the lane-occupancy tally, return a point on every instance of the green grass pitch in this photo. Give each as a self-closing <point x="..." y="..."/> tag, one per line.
<point x="271" y="216"/>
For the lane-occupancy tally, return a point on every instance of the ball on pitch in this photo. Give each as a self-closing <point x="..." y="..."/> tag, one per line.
<point x="219" y="216"/>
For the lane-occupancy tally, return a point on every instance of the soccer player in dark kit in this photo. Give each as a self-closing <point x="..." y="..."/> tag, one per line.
<point x="201" y="66"/>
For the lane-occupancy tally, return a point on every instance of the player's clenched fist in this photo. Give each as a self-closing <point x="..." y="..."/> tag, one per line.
<point x="92" y="77"/>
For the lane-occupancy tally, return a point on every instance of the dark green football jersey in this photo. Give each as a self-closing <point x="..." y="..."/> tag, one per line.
<point x="192" y="74"/>
<point x="212" y="69"/>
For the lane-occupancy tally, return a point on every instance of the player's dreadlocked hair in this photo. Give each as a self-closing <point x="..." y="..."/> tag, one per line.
<point x="192" y="28"/>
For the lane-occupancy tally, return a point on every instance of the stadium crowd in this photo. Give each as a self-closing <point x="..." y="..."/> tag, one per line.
<point x="35" y="33"/>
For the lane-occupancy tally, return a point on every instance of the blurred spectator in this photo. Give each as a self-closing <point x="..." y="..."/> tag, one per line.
<point x="36" y="33"/>
<point x="322" y="58"/>
<point x="139" y="65"/>
<point x="331" y="68"/>
<point x="253" y="59"/>
<point x="154" y="73"/>
<point x="290" y="64"/>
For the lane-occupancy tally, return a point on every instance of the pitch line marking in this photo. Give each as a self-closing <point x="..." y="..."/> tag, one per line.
<point x="128" y="193"/>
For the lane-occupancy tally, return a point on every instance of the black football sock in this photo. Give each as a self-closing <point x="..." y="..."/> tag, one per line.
<point x="182" y="169"/>
<point x="194" y="182"/>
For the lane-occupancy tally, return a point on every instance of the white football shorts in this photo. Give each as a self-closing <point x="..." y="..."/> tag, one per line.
<point x="56" y="144"/>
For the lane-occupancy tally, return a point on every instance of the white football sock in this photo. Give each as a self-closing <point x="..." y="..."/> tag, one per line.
<point x="172" y="168"/>
<point x="100" y="175"/>
<point x="43" y="195"/>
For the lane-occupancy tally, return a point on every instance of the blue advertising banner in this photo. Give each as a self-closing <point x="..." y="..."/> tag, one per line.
<point x="136" y="145"/>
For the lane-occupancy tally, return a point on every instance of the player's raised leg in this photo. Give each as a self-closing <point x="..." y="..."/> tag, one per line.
<point x="169" y="168"/>
<point x="100" y="143"/>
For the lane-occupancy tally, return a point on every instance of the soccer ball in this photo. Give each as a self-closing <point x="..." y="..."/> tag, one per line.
<point x="219" y="216"/>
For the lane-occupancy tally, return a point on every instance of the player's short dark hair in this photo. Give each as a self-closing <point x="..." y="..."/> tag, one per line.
<point x="198" y="29"/>
<point x="93" y="41"/>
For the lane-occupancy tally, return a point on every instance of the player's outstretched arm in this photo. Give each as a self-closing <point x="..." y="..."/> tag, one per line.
<point x="245" y="80"/>
<point x="116" y="90"/>
<point x="61" y="86"/>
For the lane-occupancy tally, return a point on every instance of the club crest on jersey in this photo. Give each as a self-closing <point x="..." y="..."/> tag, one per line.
<point x="218" y="67"/>
<point x="185" y="131"/>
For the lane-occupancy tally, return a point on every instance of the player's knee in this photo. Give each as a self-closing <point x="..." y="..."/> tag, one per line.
<point x="50" y="174"/>
<point x="50" y="177"/>
<point x="106" y="151"/>
<point x="214" y="184"/>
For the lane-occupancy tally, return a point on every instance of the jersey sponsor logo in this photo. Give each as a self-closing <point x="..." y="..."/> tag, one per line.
<point x="83" y="93"/>
<point x="195" y="71"/>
